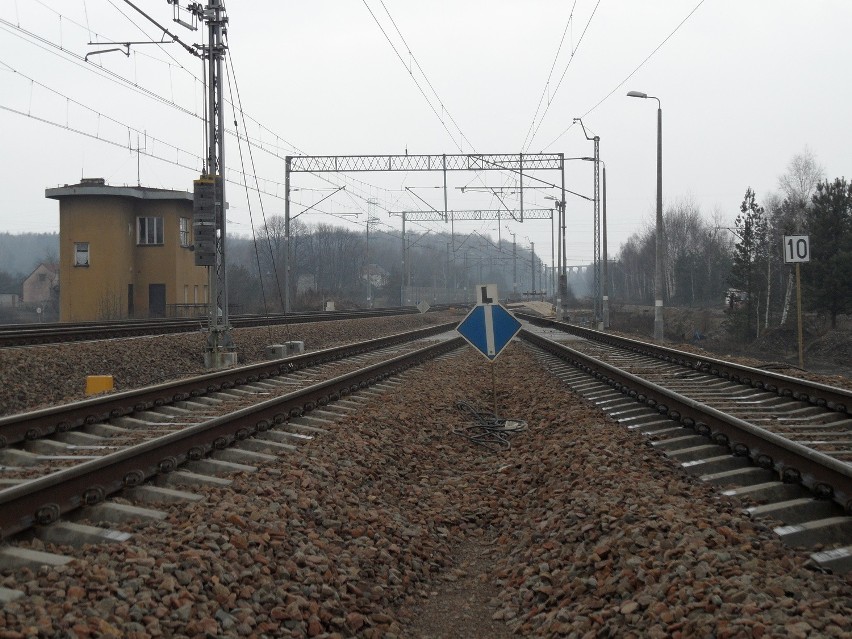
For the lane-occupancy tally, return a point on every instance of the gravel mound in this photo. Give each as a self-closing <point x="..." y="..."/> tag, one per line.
<point x="40" y="376"/>
<point x="583" y="528"/>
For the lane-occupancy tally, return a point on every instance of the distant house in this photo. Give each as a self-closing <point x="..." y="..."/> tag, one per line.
<point x="376" y="275"/>
<point x="125" y="251"/>
<point x="42" y="285"/>
<point x="9" y="300"/>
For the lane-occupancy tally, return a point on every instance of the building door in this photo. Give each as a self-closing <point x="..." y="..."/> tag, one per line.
<point x="157" y="300"/>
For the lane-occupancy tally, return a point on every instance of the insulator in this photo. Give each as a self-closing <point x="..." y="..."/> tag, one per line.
<point x="721" y="439"/>
<point x="167" y="465"/>
<point x="702" y="429"/>
<point x="242" y="433"/>
<point x="195" y="453"/>
<point x="220" y="443"/>
<point x="741" y="450"/>
<point x="688" y="422"/>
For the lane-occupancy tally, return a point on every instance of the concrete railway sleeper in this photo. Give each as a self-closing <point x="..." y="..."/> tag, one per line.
<point x="807" y="491"/>
<point x="41" y="423"/>
<point x="45" y="500"/>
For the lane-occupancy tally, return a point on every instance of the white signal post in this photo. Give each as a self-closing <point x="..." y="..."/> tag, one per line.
<point x="797" y="249"/>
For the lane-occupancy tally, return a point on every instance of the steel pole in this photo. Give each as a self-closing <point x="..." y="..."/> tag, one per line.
<point x="658" y="270"/>
<point x="287" y="234"/>
<point x="605" y="259"/>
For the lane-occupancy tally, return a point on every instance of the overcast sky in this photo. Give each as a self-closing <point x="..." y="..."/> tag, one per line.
<point x="745" y="85"/>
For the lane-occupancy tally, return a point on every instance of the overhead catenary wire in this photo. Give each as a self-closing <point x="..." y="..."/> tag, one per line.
<point x="631" y="74"/>
<point x="549" y="75"/>
<point x="565" y="71"/>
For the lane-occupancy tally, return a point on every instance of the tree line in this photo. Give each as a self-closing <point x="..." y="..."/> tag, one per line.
<point x="709" y="261"/>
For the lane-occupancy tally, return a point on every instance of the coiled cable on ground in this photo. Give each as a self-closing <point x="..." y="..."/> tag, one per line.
<point x="488" y="429"/>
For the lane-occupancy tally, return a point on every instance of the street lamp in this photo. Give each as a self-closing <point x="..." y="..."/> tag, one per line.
<point x="658" y="270"/>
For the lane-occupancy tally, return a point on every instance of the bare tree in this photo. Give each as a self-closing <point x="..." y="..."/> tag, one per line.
<point x="798" y="185"/>
<point x="800" y="180"/>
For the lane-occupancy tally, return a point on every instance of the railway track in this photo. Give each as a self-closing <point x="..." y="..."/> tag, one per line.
<point x="782" y="443"/>
<point x="59" y="459"/>
<point x="392" y="497"/>
<point x="33" y="334"/>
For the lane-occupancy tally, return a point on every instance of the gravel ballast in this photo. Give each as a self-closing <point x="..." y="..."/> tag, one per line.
<point x="581" y="529"/>
<point x="38" y="376"/>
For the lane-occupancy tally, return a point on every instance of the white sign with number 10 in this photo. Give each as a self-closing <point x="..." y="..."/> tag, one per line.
<point x="797" y="249"/>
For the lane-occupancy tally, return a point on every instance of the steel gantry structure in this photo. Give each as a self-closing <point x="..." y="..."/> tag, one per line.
<point x="519" y="163"/>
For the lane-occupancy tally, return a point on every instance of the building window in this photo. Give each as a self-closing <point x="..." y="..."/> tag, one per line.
<point x="184" y="231"/>
<point x="81" y="253"/>
<point x="149" y="230"/>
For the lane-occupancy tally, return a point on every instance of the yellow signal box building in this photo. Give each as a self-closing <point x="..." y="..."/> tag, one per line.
<point x="126" y="251"/>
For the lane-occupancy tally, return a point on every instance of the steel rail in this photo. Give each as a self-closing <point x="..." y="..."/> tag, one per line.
<point x="836" y="399"/>
<point x="826" y="476"/>
<point x="35" y="334"/>
<point x="40" y="423"/>
<point x="42" y="501"/>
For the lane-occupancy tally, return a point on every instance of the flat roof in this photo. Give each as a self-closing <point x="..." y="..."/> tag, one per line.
<point x="136" y="192"/>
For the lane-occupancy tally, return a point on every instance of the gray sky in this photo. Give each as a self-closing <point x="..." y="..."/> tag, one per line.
<point x="745" y="85"/>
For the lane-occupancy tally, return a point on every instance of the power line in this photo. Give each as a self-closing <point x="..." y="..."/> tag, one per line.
<point x="631" y="74"/>
<point x="549" y="75"/>
<point x="420" y="88"/>
<point x="565" y="71"/>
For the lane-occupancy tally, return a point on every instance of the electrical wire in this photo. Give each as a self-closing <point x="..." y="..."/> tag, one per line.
<point x="488" y="430"/>
<point x="549" y="75"/>
<point x="631" y="74"/>
<point x="570" y="60"/>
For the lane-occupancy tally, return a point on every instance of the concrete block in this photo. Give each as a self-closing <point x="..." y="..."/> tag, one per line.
<point x="217" y="468"/>
<point x="118" y="513"/>
<point x="66" y="533"/>
<point x="96" y="384"/>
<point x="185" y="478"/>
<point x="149" y="494"/>
<point x="11" y="557"/>
<point x="241" y="456"/>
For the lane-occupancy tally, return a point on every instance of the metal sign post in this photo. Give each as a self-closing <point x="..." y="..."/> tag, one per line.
<point x="489" y="328"/>
<point x="797" y="249"/>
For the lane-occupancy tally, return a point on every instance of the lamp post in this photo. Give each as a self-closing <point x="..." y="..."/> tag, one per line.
<point x="658" y="270"/>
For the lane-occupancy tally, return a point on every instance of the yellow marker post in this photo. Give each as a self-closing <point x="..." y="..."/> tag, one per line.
<point x="96" y="384"/>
